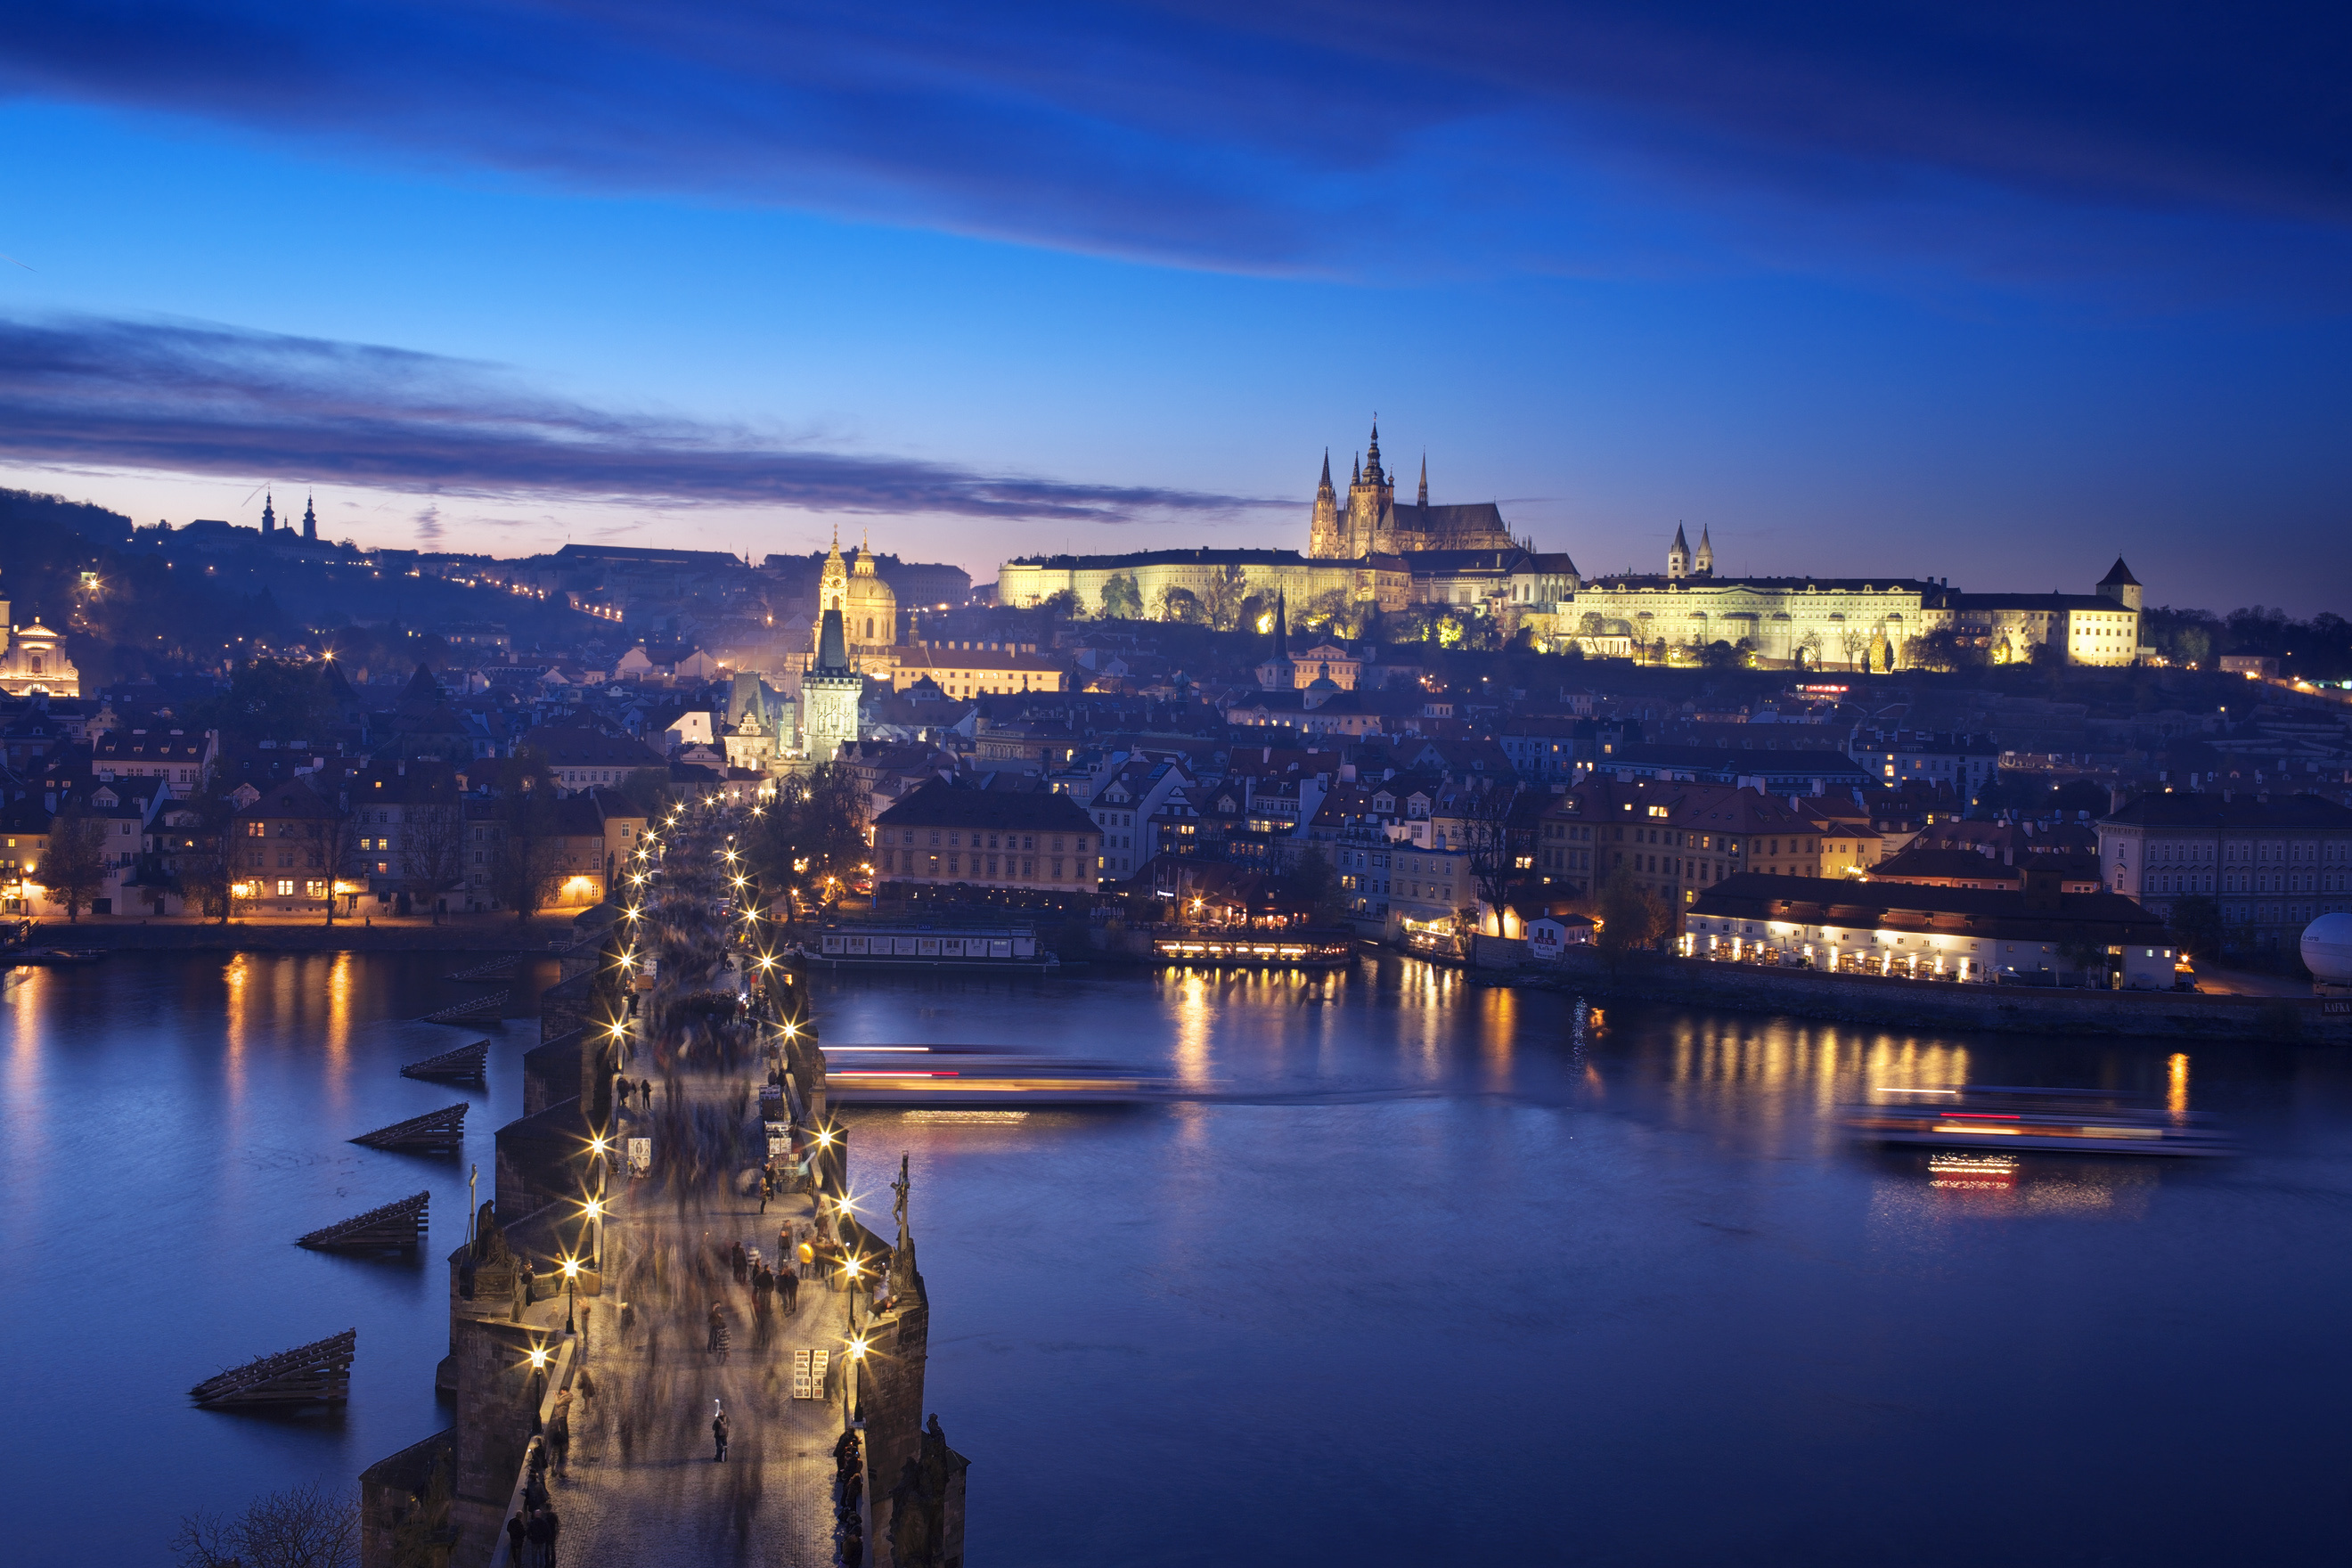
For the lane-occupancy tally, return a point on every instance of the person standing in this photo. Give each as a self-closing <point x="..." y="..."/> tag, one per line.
<point x="516" y="1535"/>
<point x="554" y="1527"/>
<point x="537" y="1532"/>
<point x="559" y="1439"/>
<point x="719" y="1433"/>
<point x="791" y="1286"/>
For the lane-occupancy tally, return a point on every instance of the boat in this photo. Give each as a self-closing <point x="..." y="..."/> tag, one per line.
<point x="978" y="1075"/>
<point x="2058" y="1121"/>
<point x="52" y="957"/>
<point x="873" y="945"/>
<point x="1264" y="950"/>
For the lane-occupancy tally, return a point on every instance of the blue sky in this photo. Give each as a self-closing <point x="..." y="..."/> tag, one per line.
<point x="1859" y="288"/>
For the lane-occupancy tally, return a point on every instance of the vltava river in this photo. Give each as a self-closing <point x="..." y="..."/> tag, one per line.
<point x="1423" y="1273"/>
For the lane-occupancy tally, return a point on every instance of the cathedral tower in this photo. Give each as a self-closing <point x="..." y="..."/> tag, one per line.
<point x="1372" y="505"/>
<point x="269" y="514"/>
<point x="1324" y="542"/>
<point x="1678" y="556"/>
<point x="1705" y="565"/>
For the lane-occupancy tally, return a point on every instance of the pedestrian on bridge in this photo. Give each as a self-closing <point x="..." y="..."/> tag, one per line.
<point x="553" y="1526"/>
<point x="719" y="1433"/>
<point x="517" y="1534"/>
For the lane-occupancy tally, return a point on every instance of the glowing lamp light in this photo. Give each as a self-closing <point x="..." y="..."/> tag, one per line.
<point x="593" y="1208"/>
<point x="538" y="1358"/>
<point x="571" y="1268"/>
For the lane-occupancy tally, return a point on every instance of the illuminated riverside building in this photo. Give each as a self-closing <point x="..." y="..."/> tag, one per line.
<point x="945" y="836"/>
<point x="1928" y="932"/>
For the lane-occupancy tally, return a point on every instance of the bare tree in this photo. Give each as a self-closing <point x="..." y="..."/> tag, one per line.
<point x="1486" y="819"/>
<point x="308" y="1526"/>
<point x="73" y="868"/>
<point x="433" y="849"/>
<point x="338" y="840"/>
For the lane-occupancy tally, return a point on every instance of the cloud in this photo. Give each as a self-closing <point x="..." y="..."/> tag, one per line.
<point x="1375" y="137"/>
<point x="89" y="392"/>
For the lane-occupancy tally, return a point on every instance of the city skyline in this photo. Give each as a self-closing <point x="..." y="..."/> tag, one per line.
<point x="2036" y="313"/>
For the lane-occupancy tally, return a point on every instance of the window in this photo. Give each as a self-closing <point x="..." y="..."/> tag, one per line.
<point x="285" y="887"/>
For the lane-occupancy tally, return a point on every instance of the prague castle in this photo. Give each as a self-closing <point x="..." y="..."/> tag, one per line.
<point x="1372" y="550"/>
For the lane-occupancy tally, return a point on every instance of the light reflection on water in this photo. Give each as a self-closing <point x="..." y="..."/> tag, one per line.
<point x="1421" y="1272"/>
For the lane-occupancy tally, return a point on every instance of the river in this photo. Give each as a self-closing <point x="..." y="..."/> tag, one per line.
<point x="1420" y="1272"/>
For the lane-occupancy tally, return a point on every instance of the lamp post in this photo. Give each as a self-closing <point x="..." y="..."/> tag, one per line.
<point x="571" y="1293"/>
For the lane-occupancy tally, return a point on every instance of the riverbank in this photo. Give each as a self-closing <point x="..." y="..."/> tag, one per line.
<point x="483" y="935"/>
<point x="1923" y="1005"/>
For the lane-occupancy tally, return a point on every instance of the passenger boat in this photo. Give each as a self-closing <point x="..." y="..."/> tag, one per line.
<point x="977" y="1075"/>
<point x="1264" y="950"/>
<point x="913" y="945"/>
<point x="2065" y="1120"/>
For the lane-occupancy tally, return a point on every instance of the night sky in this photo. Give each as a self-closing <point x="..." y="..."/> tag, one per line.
<point x="1985" y="293"/>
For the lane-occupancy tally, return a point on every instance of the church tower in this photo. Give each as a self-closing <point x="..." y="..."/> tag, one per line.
<point x="310" y="521"/>
<point x="1372" y="505"/>
<point x="1705" y="565"/>
<point x="830" y="690"/>
<point x="1678" y="556"/>
<point x="832" y="592"/>
<point x="1324" y="542"/>
<point x="269" y="514"/>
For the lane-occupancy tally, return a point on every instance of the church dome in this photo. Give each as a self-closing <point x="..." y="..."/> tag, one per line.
<point x="869" y="610"/>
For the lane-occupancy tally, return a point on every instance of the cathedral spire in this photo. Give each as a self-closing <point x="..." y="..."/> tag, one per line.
<point x="268" y="513"/>
<point x="1356" y="475"/>
<point x="1281" y="626"/>
<point x="1326" y="484"/>
<point x="1372" y="454"/>
<point x="309" y="519"/>
<point x="1424" y="482"/>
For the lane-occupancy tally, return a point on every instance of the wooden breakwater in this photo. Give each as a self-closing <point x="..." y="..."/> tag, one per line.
<point x="1919" y="1003"/>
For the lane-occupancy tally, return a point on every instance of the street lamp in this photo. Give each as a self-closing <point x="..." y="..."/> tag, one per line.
<point x="571" y="1287"/>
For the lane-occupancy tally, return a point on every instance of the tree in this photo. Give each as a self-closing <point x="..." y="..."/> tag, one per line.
<point x="205" y="858"/>
<point x="1062" y="604"/>
<point x="1222" y="601"/>
<point x="73" y="868"/>
<point x="1333" y="611"/>
<point x="1633" y="919"/>
<point x="433" y="849"/>
<point x="648" y="789"/>
<point x="308" y="1526"/>
<point x="1314" y="882"/>
<point x="1853" y="641"/>
<point x="2086" y="955"/>
<point x="1181" y="605"/>
<point x="527" y="864"/>
<point x="339" y="841"/>
<point x="2195" y="924"/>
<point x="1486" y="819"/>
<point x="816" y="831"/>
<point x="1122" y="600"/>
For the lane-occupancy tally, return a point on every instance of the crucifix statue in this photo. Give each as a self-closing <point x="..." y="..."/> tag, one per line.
<point x="898" y="1203"/>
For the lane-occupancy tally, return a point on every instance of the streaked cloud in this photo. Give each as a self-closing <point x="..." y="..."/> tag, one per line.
<point x="2191" y="151"/>
<point x="176" y="397"/>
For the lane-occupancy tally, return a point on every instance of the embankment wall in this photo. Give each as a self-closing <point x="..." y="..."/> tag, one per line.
<point x="1871" y="999"/>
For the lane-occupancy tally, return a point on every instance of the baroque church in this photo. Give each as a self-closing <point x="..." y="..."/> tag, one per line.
<point x="1373" y="522"/>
